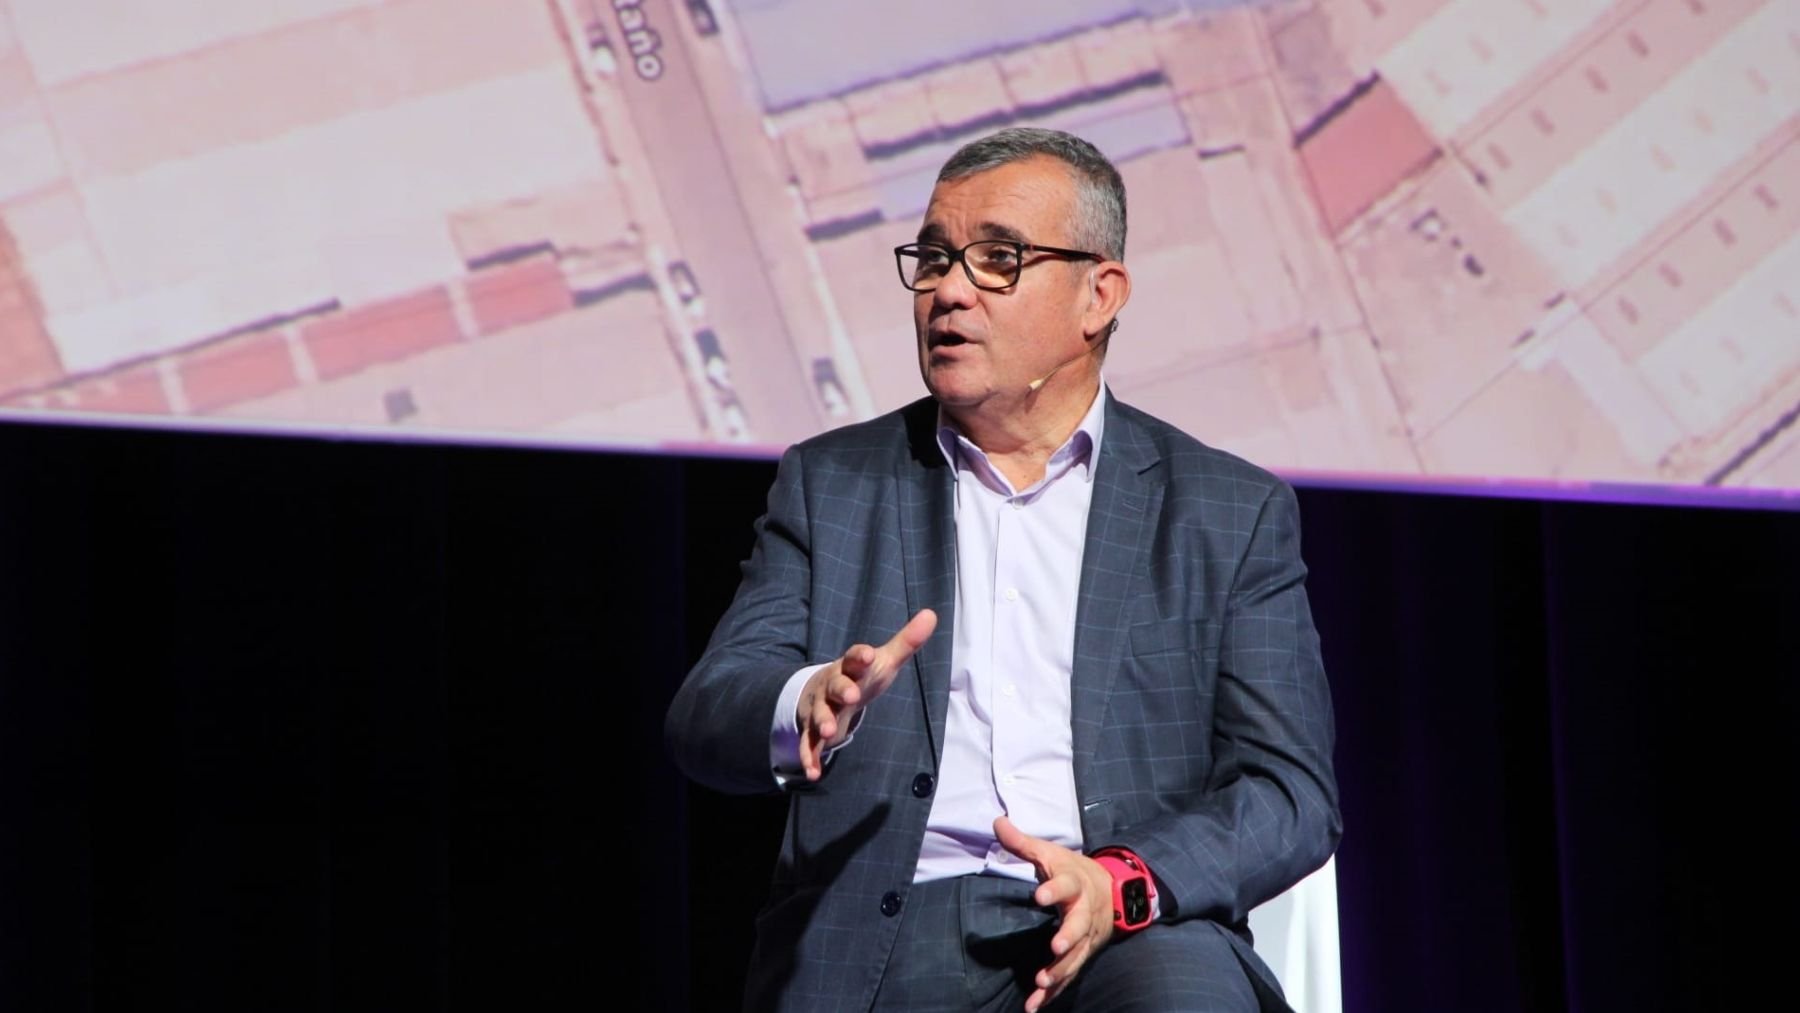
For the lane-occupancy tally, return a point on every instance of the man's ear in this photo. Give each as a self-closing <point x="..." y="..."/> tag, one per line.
<point x="1109" y="286"/>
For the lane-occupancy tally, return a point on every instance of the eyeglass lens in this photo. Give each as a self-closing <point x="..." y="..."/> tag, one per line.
<point x="991" y="264"/>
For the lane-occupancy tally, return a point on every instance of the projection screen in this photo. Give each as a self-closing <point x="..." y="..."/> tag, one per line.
<point x="1554" y="242"/>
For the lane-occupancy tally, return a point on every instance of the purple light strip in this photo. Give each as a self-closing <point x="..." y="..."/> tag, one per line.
<point x="1493" y="488"/>
<point x="1645" y="494"/>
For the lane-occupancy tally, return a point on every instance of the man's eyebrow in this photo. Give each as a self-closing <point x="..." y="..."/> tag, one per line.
<point x="935" y="233"/>
<point x="994" y="230"/>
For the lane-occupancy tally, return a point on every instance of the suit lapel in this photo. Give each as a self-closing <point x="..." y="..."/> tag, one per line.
<point x="1121" y="518"/>
<point x="927" y="510"/>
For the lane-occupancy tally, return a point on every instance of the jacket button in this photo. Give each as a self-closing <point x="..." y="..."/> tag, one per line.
<point x="922" y="785"/>
<point x="890" y="903"/>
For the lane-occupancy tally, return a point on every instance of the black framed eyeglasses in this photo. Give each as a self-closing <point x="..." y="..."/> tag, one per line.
<point x="991" y="264"/>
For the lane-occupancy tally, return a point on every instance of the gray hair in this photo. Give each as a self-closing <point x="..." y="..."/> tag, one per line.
<point x="1099" y="224"/>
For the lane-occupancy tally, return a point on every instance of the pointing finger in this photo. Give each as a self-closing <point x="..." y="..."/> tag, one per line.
<point x="857" y="660"/>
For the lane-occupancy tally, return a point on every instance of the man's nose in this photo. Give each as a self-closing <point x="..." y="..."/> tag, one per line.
<point x="956" y="289"/>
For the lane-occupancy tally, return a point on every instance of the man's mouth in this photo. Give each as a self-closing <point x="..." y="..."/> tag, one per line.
<point x="945" y="339"/>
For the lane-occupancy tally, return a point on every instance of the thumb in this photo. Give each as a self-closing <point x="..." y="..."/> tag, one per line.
<point x="1019" y="843"/>
<point x="911" y="637"/>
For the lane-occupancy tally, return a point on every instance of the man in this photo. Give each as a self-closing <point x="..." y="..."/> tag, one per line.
<point x="1098" y="731"/>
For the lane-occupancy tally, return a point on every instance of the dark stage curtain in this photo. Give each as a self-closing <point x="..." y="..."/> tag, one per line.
<point x="296" y="724"/>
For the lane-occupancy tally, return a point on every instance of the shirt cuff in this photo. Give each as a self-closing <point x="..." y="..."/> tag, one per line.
<point x="784" y="735"/>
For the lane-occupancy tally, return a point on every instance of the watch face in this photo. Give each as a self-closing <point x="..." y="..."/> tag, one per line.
<point x="1136" y="895"/>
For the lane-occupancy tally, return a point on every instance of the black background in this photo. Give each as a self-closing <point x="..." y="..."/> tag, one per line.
<point x="298" y="724"/>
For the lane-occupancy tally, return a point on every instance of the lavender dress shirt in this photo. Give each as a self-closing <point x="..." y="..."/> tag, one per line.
<point x="1008" y="746"/>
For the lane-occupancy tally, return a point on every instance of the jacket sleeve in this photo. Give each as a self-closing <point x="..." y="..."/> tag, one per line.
<point x="718" y="726"/>
<point x="1269" y="812"/>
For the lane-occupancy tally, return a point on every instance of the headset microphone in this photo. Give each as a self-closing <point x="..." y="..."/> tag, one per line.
<point x="1032" y="387"/>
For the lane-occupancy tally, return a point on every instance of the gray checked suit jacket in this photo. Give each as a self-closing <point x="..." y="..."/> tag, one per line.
<point x="1202" y="723"/>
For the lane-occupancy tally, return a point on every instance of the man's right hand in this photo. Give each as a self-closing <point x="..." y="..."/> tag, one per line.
<point x="832" y="697"/>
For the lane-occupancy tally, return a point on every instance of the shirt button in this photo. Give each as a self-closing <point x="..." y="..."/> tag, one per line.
<point x="1018" y="504"/>
<point x="1009" y="779"/>
<point x="890" y="903"/>
<point x="1012" y="594"/>
<point x="1009" y="689"/>
<point x="922" y="785"/>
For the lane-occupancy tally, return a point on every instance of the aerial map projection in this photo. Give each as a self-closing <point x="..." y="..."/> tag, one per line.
<point x="1458" y="241"/>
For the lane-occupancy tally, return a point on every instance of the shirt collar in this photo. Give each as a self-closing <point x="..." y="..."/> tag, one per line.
<point x="1081" y="449"/>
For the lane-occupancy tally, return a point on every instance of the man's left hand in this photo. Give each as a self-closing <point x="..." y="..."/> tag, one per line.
<point x="1081" y="890"/>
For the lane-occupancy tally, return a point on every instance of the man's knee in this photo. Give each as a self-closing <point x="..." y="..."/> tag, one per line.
<point x="1189" y="966"/>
